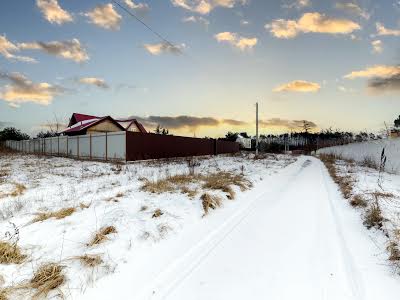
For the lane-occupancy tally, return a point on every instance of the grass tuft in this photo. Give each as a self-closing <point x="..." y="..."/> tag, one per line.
<point x="394" y="252"/>
<point x="358" y="201"/>
<point x="373" y="217"/>
<point x="102" y="234"/>
<point x="60" y="214"/>
<point x="157" y="213"/>
<point x="47" y="278"/>
<point x="210" y="202"/>
<point x="224" y="180"/>
<point x="10" y="254"/>
<point x="19" y="189"/>
<point x="90" y="260"/>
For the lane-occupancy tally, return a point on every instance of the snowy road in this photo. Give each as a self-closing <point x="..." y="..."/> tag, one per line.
<point x="292" y="237"/>
<point x="299" y="241"/>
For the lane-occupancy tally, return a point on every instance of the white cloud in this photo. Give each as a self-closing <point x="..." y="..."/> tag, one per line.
<point x="71" y="50"/>
<point x="196" y="19"/>
<point x="7" y="49"/>
<point x="353" y="8"/>
<point x="105" y="16"/>
<point x="299" y="4"/>
<point x="162" y="48"/>
<point x="140" y="6"/>
<point x="311" y="22"/>
<point x="99" y="82"/>
<point x="382" y="30"/>
<point x="236" y="40"/>
<point x="299" y="86"/>
<point x="377" y="46"/>
<point x="53" y="12"/>
<point x="22" y="90"/>
<point x="206" y="6"/>
<point x="377" y="71"/>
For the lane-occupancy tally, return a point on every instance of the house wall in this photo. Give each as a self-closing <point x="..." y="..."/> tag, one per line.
<point x="105" y="126"/>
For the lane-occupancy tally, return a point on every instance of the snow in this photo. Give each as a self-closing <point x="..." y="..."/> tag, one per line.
<point x="370" y="150"/>
<point x="292" y="236"/>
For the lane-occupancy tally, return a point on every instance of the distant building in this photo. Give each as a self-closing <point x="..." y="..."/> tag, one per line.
<point x="81" y="124"/>
<point x="395" y="133"/>
<point x="244" y="142"/>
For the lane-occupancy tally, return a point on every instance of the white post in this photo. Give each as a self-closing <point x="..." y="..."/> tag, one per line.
<point x="257" y="128"/>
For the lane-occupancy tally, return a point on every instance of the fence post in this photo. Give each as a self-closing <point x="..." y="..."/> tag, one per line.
<point x="106" y="147"/>
<point x="90" y="146"/>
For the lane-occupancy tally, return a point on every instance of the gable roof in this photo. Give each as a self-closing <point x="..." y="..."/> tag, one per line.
<point x="76" y="118"/>
<point x="85" y="124"/>
<point x="127" y="123"/>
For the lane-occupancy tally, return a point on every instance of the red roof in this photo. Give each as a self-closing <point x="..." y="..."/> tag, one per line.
<point x="76" y="118"/>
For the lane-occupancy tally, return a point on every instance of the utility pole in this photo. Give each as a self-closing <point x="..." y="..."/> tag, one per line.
<point x="257" y="128"/>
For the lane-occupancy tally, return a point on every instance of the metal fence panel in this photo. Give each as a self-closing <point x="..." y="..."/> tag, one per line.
<point x="116" y="146"/>
<point x="84" y="146"/>
<point x="99" y="146"/>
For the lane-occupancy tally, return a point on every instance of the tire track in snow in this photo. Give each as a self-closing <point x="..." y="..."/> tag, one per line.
<point x="352" y="273"/>
<point x="167" y="281"/>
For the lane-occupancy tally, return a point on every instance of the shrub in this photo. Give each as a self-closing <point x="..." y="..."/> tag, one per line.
<point x="394" y="252"/>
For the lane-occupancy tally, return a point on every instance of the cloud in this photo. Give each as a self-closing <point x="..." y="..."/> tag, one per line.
<point x="391" y="83"/>
<point x="7" y="49"/>
<point x="299" y="86"/>
<point x="311" y="22"/>
<point x="206" y="6"/>
<point x="299" y="4"/>
<point x="236" y="40"/>
<point x="382" y="30"/>
<point x="353" y="8"/>
<point x="53" y="12"/>
<point x="20" y="90"/>
<point x="101" y="83"/>
<point x="288" y="124"/>
<point x="377" y="46"/>
<point x="196" y="19"/>
<point x="164" y="47"/>
<point x="72" y="49"/>
<point x="105" y="16"/>
<point x="139" y="7"/>
<point x="377" y="71"/>
<point x="186" y="122"/>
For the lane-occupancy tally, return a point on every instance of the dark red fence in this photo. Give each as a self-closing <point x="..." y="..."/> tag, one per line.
<point x="141" y="146"/>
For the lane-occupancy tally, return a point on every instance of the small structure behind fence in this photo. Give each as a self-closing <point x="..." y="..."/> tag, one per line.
<point x="123" y="146"/>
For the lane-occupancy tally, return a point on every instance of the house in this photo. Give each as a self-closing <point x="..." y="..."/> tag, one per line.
<point x="81" y="124"/>
<point x="244" y="141"/>
<point x="395" y="133"/>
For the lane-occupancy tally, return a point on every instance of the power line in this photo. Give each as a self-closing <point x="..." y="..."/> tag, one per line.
<point x="147" y="26"/>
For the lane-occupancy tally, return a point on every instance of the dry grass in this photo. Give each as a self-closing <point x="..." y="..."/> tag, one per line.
<point x="84" y="206"/>
<point x="143" y="208"/>
<point x="369" y="163"/>
<point x="224" y="180"/>
<point x="119" y="195"/>
<point x="215" y="181"/>
<point x="19" y="189"/>
<point x="60" y="214"/>
<point x="101" y="235"/>
<point x="358" y="201"/>
<point x="4" y="294"/>
<point x="90" y="260"/>
<point x="157" y="213"/>
<point x="394" y="252"/>
<point x="379" y="194"/>
<point x="373" y="217"/>
<point x="10" y="254"/>
<point x="47" y="278"/>
<point x="210" y="202"/>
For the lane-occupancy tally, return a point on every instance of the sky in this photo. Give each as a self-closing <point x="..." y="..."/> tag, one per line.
<point x="199" y="66"/>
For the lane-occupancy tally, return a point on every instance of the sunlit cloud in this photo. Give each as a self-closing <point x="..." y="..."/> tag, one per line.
<point x="299" y="4"/>
<point x="105" y="16"/>
<point x="242" y="43"/>
<point x="353" y="8"/>
<point x="7" y="49"/>
<point x="377" y="46"/>
<point x="163" y="48"/>
<point x="53" y="12"/>
<point x="196" y="19"/>
<point x="21" y="90"/>
<point x="299" y="86"/>
<point x="99" y="82"/>
<point x="382" y="30"/>
<point x="206" y="6"/>
<point x="286" y="124"/>
<point x="377" y="71"/>
<point x="71" y="50"/>
<point x="139" y="7"/>
<point x="311" y="23"/>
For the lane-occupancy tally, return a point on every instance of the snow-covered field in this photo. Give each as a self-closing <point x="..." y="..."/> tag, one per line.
<point x="291" y="235"/>
<point x="102" y="195"/>
<point x="370" y="151"/>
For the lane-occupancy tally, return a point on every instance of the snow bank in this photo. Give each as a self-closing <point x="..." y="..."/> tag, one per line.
<point x="370" y="150"/>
